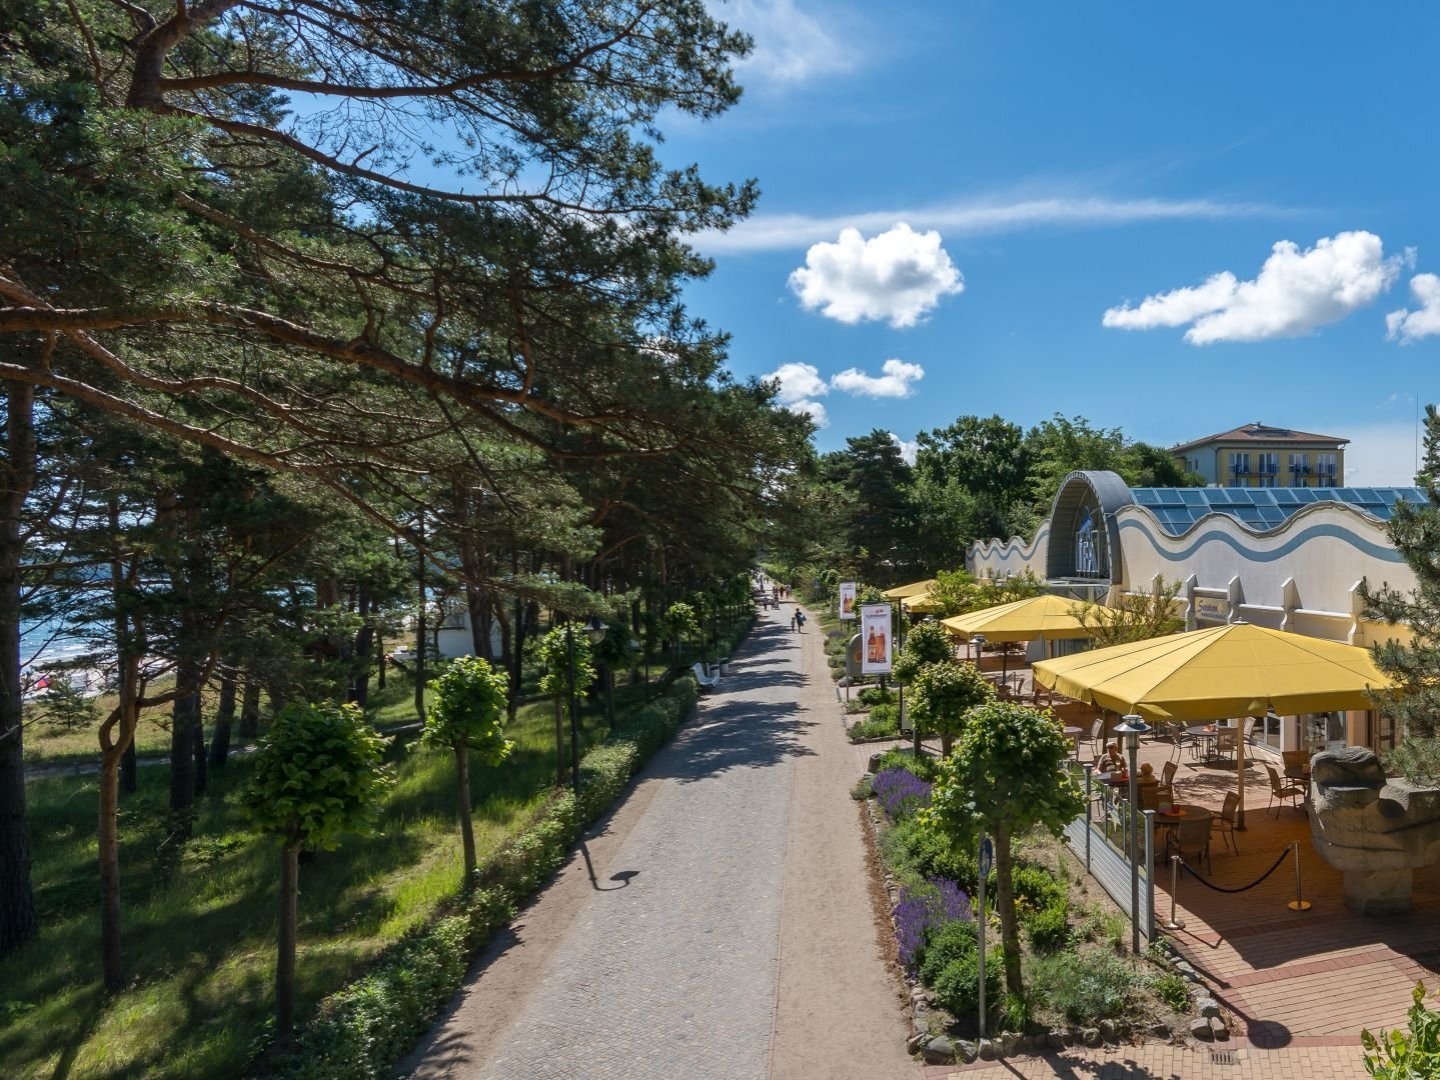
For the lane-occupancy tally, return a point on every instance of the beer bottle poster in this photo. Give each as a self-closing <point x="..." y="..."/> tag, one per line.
<point x="847" y="600"/>
<point x="875" y="639"/>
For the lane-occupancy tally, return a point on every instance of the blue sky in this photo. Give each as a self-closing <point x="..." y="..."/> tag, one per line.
<point x="1056" y="162"/>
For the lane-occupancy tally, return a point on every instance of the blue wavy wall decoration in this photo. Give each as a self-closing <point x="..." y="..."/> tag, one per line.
<point x="1374" y="550"/>
<point x="990" y="549"/>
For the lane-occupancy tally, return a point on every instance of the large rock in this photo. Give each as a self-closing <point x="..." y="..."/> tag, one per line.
<point x="1376" y="831"/>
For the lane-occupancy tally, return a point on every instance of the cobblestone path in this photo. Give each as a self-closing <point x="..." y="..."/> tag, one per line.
<point x="717" y="926"/>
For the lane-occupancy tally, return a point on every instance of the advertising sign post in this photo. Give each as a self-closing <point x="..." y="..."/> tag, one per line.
<point x="987" y="857"/>
<point x="847" y="600"/>
<point x="875" y="639"/>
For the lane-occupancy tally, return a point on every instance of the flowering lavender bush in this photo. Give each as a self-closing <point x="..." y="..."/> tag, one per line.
<point x="923" y="909"/>
<point x="900" y="792"/>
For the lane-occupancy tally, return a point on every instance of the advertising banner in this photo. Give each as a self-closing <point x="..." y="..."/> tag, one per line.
<point x="847" y="600"/>
<point x="875" y="639"/>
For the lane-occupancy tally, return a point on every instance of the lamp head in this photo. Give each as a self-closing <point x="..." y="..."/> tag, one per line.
<point x="978" y="640"/>
<point x="1132" y="726"/>
<point x="595" y="630"/>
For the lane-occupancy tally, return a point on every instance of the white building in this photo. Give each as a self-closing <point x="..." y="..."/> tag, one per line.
<point x="1287" y="558"/>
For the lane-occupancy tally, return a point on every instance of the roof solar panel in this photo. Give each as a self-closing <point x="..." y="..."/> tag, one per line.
<point x="1369" y="496"/>
<point x="1192" y="497"/>
<point x="1148" y="496"/>
<point x="1240" y="496"/>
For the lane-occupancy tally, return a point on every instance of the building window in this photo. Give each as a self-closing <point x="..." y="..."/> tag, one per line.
<point x="1267" y="731"/>
<point x="1299" y="471"/>
<point x="1322" y="731"/>
<point x="1239" y="469"/>
<point x="1269" y="469"/>
<point x="1326" y="469"/>
<point x="1382" y="732"/>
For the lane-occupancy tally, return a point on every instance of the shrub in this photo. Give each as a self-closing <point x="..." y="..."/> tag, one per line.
<point x="923" y="766"/>
<point x="947" y="944"/>
<point x="1049" y="928"/>
<point x="924" y="909"/>
<point x="1173" y="990"/>
<point x="919" y="852"/>
<point x="957" y="987"/>
<point x="874" y="695"/>
<point x="883" y="722"/>
<point x="1096" y="985"/>
<point x="900" y="792"/>
<point x="1400" y="1055"/>
<point x="1035" y="890"/>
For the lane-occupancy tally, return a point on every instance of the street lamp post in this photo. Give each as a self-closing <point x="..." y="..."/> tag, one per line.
<point x="594" y="632"/>
<point x="1132" y="726"/>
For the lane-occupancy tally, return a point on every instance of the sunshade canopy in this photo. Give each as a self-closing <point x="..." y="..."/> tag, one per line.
<point x="1048" y="616"/>
<point x="1233" y="670"/>
<point x="915" y="588"/>
<point x="921" y="602"/>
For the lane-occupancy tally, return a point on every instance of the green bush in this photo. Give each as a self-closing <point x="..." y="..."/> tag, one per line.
<point x="1403" y="1055"/>
<point x="1036" y="890"/>
<point x="1173" y="990"/>
<point x="1095" y="985"/>
<point x="1049" y="928"/>
<point x="362" y="1030"/>
<point x="874" y="695"/>
<point x="924" y="766"/>
<point x="909" y="849"/>
<point x="952" y="942"/>
<point x="957" y="987"/>
<point x="883" y="722"/>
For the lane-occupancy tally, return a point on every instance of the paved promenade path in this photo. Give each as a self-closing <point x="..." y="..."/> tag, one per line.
<point x="718" y="925"/>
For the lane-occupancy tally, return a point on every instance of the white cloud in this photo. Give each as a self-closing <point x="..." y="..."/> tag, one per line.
<point x="1295" y="292"/>
<point x="1408" y="326"/>
<point x="813" y="409"/>
<point x="791" y="45"/>
<point x="898" y="276"/>
<point x="800" y="384"/>
<point x="782" y="232"/>
<point x="797" y="381"/>
<point x="895" y="381"/>
<point x="908" y="450"/>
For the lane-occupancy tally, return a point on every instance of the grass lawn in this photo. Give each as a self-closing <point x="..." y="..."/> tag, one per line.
<point x="200" y="917"/>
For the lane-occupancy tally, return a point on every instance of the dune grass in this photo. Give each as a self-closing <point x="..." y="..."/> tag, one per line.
<point x="200" y="916"/>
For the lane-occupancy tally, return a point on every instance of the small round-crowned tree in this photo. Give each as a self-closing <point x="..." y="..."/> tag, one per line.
<point x="555" y="651"/>
<point x="926" y="643"/>
<point x="317" y="774"/>
<point x="1006" y="776"/>
<point x="942" y="694"/>
<point x="680" y="623"/>
<point x="468" y="717"/>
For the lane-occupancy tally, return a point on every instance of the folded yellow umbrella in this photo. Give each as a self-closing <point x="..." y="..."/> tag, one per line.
<point x="915" y="588"/>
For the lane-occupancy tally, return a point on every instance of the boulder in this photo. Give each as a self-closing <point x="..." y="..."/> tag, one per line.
<point x="1208" y="1007"/>
<point x="1218" y="1031"/>
<point x="940" y="1051"/>
<point x="1201" y="1029"/>
<point x="1090" y="1036"/>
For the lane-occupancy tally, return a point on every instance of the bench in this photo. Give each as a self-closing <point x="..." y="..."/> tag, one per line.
<point x="706" y="680"/>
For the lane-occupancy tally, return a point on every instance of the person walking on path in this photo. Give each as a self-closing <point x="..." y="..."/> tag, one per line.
<point x="794" y="621"/>
<point x="717" y="925"/>
<point x="800" y="621"/>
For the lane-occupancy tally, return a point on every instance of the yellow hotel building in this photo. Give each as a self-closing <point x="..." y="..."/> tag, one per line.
<point x="1259" y="455"/>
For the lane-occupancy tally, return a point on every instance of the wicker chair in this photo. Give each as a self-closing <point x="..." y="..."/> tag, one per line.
<point x="1297" y="763"/>
<point x="1225" y="823"/>
<point x="1281" y="790"/>
<point x="1192" y="835"/>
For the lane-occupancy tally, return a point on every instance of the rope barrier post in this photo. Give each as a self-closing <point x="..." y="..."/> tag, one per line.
<point x="1149" y="875"/>
<point x="1174" y="923"/>
<point x="1299" y="903"/>
<point x="1089" y="771"/>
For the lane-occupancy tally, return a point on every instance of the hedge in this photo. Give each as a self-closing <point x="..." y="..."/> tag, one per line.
<point x="362" y="1030"/>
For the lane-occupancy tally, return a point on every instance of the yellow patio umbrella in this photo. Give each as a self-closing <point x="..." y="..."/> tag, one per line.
<point x="1225" y="671"/>
<point x="921" y="603"/>
<point x="1047" y="617"/>
<point x="915" y="588"/>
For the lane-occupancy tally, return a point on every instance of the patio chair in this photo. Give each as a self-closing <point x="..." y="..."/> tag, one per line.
<point x="1281" y="790"/>
<point x="1149" y="796"/>
<point x="1097" y="737"/>
<point x="1249" y="728"/>
<point x="1226" y="741"/>
<point x="1192" y="835"/>
<point x="1167" y="781"/>
<point x="1297" y="763"/>
<point x="1225" y="823"/>
<point x="1180" y="740"/>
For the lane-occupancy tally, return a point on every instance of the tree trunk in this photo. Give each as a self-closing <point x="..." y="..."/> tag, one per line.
<point x="946" y="741"/>
<point x="250" y="710"/>
<point x="116" y="736"/>
<point x="467" y="829"/>
<point x="360" y="650"/>
<point x="559" y="746"/>
<point x="129" y="770"/>
<point x="197" y="742"/>
<point x="182" y="738"/>
<point x="18" y="921"/>
<point x="285" y="959"/>
<point x="1005" y="902"/>
<point x="380" y="663"/>
<point x="420" y="624"/>
<point x="224" y="721"/>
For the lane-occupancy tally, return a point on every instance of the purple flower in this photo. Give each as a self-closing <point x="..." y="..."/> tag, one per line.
<point x="900" y="792"/>
<point x="924" y="909"/>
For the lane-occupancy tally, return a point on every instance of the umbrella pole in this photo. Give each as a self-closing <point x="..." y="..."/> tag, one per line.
<point x="1240" y="769"/>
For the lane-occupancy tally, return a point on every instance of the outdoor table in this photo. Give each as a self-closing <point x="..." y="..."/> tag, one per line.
<point x="1114" y="779"/>
<point x="1181" y="812"/>
<point x="1207" y="734"/>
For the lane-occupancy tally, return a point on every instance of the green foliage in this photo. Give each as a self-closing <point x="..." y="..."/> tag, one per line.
<point x="318" y="774"/>
<point x="926" y="643"/>
<point x="1138" y="618"/>
<point x="1099" y="985"/>
<point x="1049" y="928"/>
<point x="1173" y="990"/>
<point x="923" y="766"/>
<point x="1007" y="772"/>
<point x="957" y="984"/>
<point x="1036" y="890"/>
<point x="469" y="709"/>
<point x="919" y="854"/>
<point x="681" y="621"/>
<point x="1417" y="759"/>
<point x="871" y="696"/>
<point x="556" y="650"/>
<point x="1409" y="1054"/>
<point x="942" y="696"/>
